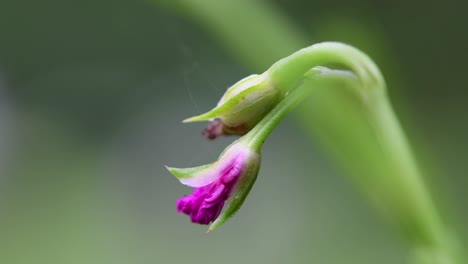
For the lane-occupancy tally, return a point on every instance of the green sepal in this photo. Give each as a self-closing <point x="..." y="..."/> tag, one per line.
<point x="227" y="108"/>
<point x="243" y="104"/>
<point x="242" y="188"/>
<point x="213" y="113"/>
<point x="187" y="173"/>
<point x="196" y="176"/>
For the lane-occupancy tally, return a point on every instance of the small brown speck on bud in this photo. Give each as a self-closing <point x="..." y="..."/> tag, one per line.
<point x="214" y="130"/>
<point x="217" y="128"/>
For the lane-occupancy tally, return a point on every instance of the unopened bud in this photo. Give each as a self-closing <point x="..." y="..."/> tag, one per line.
<point x="242" y="106"/>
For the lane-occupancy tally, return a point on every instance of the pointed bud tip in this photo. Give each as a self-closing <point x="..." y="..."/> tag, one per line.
<point x="203" y="117"/>
<point x="172" y="170"/>
<point x="192" y="119"/>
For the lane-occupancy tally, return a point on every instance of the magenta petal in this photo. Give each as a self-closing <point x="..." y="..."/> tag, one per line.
<point x="206" y="203"/>
<point x="216" y="194"/>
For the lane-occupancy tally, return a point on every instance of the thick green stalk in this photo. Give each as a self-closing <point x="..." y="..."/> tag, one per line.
<point x="406" y="193"/>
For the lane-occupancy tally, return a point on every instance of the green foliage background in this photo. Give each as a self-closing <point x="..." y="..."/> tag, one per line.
<point x="91" y="98"/>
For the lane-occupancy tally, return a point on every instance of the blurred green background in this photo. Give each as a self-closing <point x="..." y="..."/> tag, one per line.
<point x="91" y="98"/>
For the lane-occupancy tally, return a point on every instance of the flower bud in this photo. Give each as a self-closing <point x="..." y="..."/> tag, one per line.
<point x="222" y="184"/>
<point x="242" y="106"/>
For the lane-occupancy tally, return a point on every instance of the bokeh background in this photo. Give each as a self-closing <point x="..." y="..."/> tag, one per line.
<point x="91" y="98"/>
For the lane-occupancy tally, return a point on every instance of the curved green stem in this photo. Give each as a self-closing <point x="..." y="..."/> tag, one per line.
<point x="399" y="188"/>
<point x="318" y="77"/>
<point x="288" y="71"/>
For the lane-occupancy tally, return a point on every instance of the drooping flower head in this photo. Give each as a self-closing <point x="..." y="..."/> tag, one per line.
<point x="223" y="184"/>
<point x="242" y="106"/>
